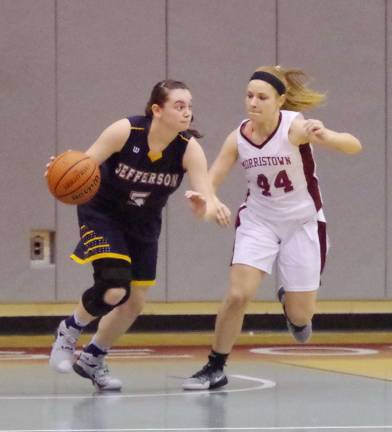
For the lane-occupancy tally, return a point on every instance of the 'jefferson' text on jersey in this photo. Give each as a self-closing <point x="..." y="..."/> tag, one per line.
<point x="136" y="184"/>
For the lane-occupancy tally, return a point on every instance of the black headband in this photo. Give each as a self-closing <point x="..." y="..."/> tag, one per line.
<point x="270" y="79"/>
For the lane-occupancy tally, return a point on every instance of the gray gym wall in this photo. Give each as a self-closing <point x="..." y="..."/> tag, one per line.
<point x="70" y="68"/>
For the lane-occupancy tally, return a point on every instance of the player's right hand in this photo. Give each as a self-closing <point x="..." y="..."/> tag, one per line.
<point x="51" y="159"/>
<point x="223" y="213"/>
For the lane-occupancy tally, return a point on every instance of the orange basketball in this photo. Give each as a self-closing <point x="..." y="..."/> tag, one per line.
<point x="73" y="177"/>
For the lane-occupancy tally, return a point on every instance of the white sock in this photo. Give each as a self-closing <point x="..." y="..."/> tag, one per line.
<point x="78" y="321"/>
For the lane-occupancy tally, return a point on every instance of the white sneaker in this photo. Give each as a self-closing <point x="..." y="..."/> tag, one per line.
<point x="62" y="355"/>
<point x="94" y="368"/>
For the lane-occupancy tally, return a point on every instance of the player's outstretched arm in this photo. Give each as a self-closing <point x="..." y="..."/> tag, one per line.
<point x="219" y="170"/>
<point x="313" y="131"/>
<point x="224" y="162"/>
<point x="200" y="198"/>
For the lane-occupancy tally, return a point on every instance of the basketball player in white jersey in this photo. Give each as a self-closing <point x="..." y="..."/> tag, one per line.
<point x="282" y="218"/>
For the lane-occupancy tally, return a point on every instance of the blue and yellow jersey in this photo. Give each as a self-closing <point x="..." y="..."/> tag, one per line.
<point x="136" y="184"/>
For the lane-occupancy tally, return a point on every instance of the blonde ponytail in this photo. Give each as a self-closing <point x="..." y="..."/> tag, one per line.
<point x="299" y="97"/>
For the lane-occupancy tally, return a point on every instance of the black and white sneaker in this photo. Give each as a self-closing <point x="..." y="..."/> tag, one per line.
<point x="300" y="334"/>
<point x="206" y="378"/>
<point x="95" y="369"/>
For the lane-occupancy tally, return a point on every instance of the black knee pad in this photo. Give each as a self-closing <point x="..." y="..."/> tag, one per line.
<point x="108" y="273"/>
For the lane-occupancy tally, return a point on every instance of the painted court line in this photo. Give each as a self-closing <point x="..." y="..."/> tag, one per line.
<point x="202" y="429"/>
<point x="311" y="351"/>
<point x="9" y="355"/>
<point x="263" y="385"/>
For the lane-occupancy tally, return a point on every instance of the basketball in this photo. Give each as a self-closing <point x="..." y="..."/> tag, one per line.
<point x="73" y="177"/>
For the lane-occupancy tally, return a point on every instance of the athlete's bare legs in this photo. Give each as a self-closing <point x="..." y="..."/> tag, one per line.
<point x="117" y="322"/>
<point x="300" y="306"/>
<point x="244" y="282"/>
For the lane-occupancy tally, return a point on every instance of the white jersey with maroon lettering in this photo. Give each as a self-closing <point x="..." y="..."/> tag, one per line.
<point x="281" y="176"/>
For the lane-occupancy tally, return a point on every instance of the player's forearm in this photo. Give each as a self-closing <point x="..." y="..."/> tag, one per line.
<point x="210" y="213"/>
<point x="216" y="179"/>
<point x="340" y="141"/>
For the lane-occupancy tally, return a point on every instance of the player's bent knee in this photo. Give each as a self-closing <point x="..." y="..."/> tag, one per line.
<point x="299" y="317"/>
<point x="134" y="305"/>
<point x="113" y="296"/>
<point x="112" y="287"/>
<point x="300" y="310"/>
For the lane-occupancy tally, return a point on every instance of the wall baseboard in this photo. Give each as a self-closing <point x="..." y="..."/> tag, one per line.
<point x="33" y="325"/>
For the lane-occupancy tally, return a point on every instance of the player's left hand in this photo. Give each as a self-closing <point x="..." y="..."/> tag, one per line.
<point x="314" y="129"/>
<point x="197" y="202"/>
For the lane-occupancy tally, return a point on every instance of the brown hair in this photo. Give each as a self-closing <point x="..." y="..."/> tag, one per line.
<point x="299" y="97"/>
<point x="159" y="96"/>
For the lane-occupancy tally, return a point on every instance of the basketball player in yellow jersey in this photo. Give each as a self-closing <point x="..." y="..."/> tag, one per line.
<point x="282" y="218"/>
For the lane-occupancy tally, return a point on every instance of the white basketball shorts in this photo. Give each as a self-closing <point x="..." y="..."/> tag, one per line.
<point x="299" y="249"/>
